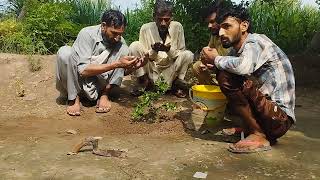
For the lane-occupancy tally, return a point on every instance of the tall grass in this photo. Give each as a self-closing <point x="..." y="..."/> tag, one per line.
<point x="286" y="22"/>
<point x="136" y="18"/>
<point x="88" y="12"/>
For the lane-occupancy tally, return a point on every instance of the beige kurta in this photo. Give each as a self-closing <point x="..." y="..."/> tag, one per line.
<point x="172" y="64"/>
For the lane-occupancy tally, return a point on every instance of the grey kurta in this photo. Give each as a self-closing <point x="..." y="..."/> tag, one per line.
<point x="89" y="48"/>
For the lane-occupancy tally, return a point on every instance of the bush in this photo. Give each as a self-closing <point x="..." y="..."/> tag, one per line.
<point x="9" y="27"/>
<point x="50" y="24"/>
<point x="44" y="29"/>
<point x="189" y="14"/>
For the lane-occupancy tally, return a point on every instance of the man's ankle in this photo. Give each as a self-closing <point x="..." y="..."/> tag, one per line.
<point x="260" y="134"/>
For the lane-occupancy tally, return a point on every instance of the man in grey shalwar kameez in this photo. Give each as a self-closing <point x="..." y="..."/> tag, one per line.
<point x="95" y="63"/>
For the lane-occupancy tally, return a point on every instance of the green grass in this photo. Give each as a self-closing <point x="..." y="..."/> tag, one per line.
<point x="286" y="22"/>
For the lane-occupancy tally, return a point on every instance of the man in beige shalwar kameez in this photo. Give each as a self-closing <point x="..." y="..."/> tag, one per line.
<point x="162" y="43"/>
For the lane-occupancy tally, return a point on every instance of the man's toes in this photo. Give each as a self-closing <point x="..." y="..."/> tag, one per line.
<point x="71" y="113"/>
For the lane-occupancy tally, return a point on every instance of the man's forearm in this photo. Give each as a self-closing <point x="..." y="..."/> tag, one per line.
<point x="96" y="69"/>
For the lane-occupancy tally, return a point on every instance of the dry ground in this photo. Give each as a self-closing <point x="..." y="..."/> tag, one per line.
<point x="34" y="142"/>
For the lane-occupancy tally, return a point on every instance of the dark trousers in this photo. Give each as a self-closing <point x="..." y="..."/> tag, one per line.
<point x="240" y="91"/>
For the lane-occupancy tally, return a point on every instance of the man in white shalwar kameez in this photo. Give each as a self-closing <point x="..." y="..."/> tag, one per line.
<point x="162" y="42"/>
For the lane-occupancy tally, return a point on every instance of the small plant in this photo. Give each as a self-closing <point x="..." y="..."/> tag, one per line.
<point x="34" y="64"/>
<point x="146" y="109"/>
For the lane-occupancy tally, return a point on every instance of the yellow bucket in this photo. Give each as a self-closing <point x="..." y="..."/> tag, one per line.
<point x="211" y="100"/>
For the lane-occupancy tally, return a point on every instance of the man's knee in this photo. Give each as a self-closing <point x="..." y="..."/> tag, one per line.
<point x="225" y="80"/>
<point x="186" y="56"/>
<point x="136" y="48"/>
<point x="231" y="86"/>
<point x="63" y="54"/>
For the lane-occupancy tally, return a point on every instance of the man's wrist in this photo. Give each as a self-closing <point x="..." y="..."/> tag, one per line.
<point x="117" y="64"/>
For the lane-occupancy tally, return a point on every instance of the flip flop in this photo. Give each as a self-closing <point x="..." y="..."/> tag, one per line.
<point x="260" y="148"/>
<point x="232" y="131"/>
<point x="102" y="110"/>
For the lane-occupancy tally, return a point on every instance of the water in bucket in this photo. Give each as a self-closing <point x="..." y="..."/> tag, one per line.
<point x="210" y="100"/>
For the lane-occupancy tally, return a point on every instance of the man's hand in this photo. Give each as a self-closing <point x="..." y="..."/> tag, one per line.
<point x="203" y="67"/>
<point x="206" y="67"/>
<point x="140" y="62"/>
<point x="160" y="47"/>
<point x="127" y="62"/>
<point x="208" y="55"/>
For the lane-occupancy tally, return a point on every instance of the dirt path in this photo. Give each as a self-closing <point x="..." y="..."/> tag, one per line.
<point x="34" y="142"/>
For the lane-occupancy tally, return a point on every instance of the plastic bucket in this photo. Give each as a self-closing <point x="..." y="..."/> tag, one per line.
<point x="210" y="99"/>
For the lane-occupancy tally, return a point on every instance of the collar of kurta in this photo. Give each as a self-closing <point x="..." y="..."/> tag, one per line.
<point x="168" y="38"/>
<point x="248" y="39"/>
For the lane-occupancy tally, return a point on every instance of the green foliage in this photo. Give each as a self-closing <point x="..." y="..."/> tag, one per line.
<point x="285" y="22"/>
<point x="88" y="12"/>
<point x="136" y="18"/>
<point x="14" y="40"/>
<point x="145" y="109"/>
<point x="16" y="43"/>
<point x="49" y="23"/>
<point x="9" y="26"/>
<point x="44" y="29"/>
<point x="189" y="14"/>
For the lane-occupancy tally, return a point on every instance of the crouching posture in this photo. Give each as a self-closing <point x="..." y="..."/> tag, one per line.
<point x="258" y="80"/>
<point x="95" y="63"/>
<point x="162" y="43"/>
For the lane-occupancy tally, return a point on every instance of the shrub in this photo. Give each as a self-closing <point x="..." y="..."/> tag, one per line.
<point x="16" y="43"/>
<point x="189" y="14"/>
<point x="146" y="109"/>
<point x="49" y="24"/>
<point x="9" y="26"/>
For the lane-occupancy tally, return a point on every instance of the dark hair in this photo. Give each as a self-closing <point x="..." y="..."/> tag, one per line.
<point x="162" y="7"/>
<point x="218" y="7"/>
<point x="114" y="18"/>
<point x="240" y="12"/>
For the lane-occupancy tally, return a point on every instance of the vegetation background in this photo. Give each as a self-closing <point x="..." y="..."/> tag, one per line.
<point x="42" y="26"/>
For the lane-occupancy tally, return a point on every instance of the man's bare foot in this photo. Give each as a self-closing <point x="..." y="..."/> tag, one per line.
<point x="103" y="104"/>
<point x="253" y="143"/>
<point x="73" y="108"/>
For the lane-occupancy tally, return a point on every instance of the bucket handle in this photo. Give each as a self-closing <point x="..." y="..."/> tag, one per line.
<point x="204" y="109"/>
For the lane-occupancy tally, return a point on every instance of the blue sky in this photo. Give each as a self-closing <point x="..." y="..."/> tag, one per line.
<point x="124" y="4"/>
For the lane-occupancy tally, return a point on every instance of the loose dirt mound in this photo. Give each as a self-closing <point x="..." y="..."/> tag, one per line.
<point x="38" y="102"/>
